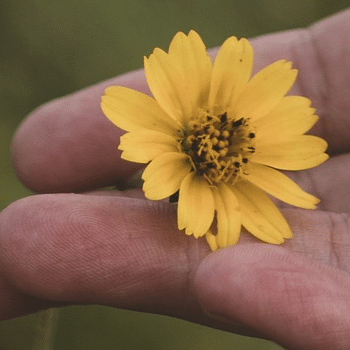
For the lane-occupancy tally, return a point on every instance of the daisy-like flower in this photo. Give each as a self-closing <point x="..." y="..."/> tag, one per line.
<point x="214" y="138"/>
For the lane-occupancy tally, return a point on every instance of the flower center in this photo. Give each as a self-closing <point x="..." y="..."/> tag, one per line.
<point x="219" y="147"/>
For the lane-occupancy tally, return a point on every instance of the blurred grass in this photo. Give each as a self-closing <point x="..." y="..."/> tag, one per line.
<point x="52" y="48"/>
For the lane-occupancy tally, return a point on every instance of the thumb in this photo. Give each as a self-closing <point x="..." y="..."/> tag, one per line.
<point x="282" y="296"/>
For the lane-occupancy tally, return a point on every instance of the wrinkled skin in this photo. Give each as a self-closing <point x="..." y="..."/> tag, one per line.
<point x="121" y="250"/>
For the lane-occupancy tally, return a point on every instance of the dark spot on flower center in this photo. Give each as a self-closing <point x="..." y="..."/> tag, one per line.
<point x="223" y="118"/>
<point x="237" y="123"/>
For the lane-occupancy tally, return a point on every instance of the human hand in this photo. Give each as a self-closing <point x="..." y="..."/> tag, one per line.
<point x="115" y="248"/>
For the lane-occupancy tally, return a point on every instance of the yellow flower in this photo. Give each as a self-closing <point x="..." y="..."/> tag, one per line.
<point x="214" y="137"/>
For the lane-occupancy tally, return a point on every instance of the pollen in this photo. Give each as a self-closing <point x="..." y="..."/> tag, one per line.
<point x="219" y="146"/>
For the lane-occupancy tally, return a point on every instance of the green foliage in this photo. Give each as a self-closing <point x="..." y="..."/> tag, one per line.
<point x="52" y="48"/>
<point x="94" y="327"/>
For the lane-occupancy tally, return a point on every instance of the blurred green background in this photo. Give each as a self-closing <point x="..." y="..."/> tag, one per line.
<point x="52" y="48"/>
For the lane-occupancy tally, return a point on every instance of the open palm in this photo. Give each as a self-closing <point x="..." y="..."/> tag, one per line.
<point x="116" y="248"/>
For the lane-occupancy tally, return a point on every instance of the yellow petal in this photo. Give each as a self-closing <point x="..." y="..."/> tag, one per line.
<point x="296" y="153"/>
<point x="179" y="81"/>
<point x="189" y="54"/>
<point x="164" y="175"/>
<point x="292" y="116"/>
<point x="196" y="205"/>
<point x="142" y="146"/>
<point x="228" y="216"/>
<point x="260" y="216"/>
<point x="211" y="240"/>
<point x="280" y="186"/>
<point x="131" y="110"/>
<point x="265" y="90"/>
<point x="232" y="70"/>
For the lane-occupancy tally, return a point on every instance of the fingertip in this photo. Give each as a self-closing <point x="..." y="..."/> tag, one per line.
<point x="82" y="248"/>
<point x="69" y="145"/>
<point x="279" y="294"/>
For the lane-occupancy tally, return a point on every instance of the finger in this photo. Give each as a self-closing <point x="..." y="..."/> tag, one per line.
<point x="126" y="252"/>
<point x="15" y="303"/>
<point x="68" y="145"/>
<point x="329" y="182"/>
<point x="320" y="53"/>
<point x="291" y="300"/>
<point x="96" y="249"/>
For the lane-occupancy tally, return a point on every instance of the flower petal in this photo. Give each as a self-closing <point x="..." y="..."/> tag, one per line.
<point x="296" y="153"/>
<point x="142" y="146"/>
<point x="232" y="70"/>
<point x="228" y="216"/>
<point x="265" y="90"/>
<point x="280" y="186"/>
<point x="190" y="55"/>
<point x="164" y="175"/>
<point x="260" y="216"/>
<point x="131" y="110"/>
<point x="292" y="116"/>
<point x="211" y="240"/>
<point x="196" y="205"/>
<point x="179" y="81"/>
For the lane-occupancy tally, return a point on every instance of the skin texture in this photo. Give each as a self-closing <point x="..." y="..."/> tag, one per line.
<point x="64" y="249"/>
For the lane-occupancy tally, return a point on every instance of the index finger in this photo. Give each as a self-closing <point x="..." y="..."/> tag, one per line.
<point x="68" y="144"/>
